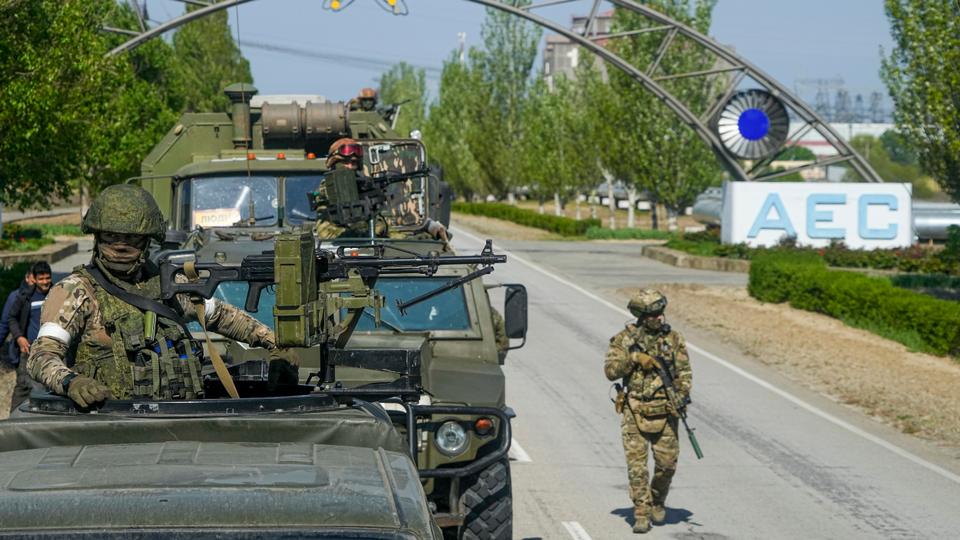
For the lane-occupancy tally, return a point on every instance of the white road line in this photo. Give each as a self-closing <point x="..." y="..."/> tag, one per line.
<point x="576" y="530"/>
<point x="949" y="475"/>
<point x="517" y="453"/>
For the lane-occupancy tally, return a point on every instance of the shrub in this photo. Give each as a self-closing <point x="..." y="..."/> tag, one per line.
<point x="599" y="233"/>
<point x="557" y="224"/>
<point x="863" y="301"/>
<point x="11" y="276"/>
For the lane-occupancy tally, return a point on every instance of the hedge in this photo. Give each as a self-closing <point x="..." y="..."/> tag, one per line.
<point x="803" y="280"/>
<point x="556" y="224"/>
<point x="11" y="276"/>
<point x="600" y="233"/>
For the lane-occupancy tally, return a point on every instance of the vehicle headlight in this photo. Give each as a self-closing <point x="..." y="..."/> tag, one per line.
<point x="451" y="438"/>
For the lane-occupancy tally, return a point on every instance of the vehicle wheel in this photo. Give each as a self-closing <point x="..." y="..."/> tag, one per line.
<point x="488" y="504"/>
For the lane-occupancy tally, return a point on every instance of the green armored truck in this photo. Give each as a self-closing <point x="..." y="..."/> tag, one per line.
<point x="229" y="183"/>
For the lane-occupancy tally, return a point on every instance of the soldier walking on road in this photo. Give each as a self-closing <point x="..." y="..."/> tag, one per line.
<point x="121" y="348"/>
<point x="649" y="420"/>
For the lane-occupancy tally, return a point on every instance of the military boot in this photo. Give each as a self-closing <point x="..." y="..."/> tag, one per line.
<point x="641" y="516"/>
<point x="658" y="513"/>
<point x="641" y="525"/>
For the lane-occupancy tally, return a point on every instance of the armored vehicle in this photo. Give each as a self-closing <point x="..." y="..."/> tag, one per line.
<point x="230" y="182"/>
<point x="333" y="459"/>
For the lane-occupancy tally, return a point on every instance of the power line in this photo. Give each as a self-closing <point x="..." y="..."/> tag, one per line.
<point x="335" y="58"/>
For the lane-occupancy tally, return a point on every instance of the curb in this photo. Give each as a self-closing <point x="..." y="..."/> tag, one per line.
<point x="50" y="253"/>
<point x="685" y="260"/>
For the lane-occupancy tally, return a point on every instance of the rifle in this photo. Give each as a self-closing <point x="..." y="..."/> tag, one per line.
<point x="679" y="405"/>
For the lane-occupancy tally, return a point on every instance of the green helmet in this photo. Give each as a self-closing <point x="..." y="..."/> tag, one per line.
<point x="647" y="302"/>
<point x="125" y="209"/>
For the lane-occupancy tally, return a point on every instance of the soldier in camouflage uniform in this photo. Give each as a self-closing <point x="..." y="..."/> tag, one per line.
<point x="648" y="420"/>
<point x="121" y="350"/>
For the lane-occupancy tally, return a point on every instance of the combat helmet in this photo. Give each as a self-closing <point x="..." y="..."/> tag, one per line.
<point x="125" y="209"/>
<point x="647" y="302"/>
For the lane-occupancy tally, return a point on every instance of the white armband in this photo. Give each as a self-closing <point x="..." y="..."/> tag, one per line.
<point x="55" y="331"/>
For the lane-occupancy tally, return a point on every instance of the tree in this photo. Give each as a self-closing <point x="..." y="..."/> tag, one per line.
<point x="505" y="65"/>
<point x="406" y="86"/>
<point x="898" y="147"/>
<point x="208" y="59"/>
<point x="875" y="152"/>
<point x="651" y="150"/>
<point x="922" y="78"/>
<point x="451" y="125"/>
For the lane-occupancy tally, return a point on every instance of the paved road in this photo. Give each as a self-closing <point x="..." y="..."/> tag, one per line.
<point x="781" y="462"/>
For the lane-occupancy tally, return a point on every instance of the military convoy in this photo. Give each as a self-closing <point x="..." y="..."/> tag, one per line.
<point x="418" y="377"/>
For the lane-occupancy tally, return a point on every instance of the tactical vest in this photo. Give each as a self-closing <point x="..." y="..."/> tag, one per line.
<point x="149" y="357"/>
<point x="644" y="385"/>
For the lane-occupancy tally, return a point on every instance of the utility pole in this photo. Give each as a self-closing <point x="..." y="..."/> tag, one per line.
<point x="461" y="47"/>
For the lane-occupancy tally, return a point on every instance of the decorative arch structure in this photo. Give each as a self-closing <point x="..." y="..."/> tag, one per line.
<point x="731" y="72"/>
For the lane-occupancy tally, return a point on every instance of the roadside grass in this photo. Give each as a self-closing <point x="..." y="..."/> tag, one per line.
<point x="909" y="338"/>
<point x="31" y="237"/>
<point x="600" y="233"/>
<point x="51" y="229"/>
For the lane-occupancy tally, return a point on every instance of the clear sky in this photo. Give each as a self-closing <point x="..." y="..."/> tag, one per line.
<point x="335" y="54"/>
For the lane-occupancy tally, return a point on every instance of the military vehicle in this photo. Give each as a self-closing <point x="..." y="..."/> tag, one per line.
<point x="294" y="461"/>
<point x="229" y="182"/>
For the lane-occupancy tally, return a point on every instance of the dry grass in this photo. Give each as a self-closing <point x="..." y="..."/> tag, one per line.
<point x="917" y="393"/>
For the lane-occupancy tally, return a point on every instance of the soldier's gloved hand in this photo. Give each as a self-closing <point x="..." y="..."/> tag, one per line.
<point x="283" y="368"/>
<point x="85" y="391"/>
<point x="645" y="360"/>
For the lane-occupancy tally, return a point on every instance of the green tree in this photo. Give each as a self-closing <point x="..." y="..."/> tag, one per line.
<point x="796" y="153"/>
<point x="208" y="59"/>
<point x="406" y="86"/>
<point x="651" y="149"/>
<point x="505" y="65"/>
<point x="875" y="152"/>
<point x="898" y="147"/>
<point x="922" y="77"/>
<point x="452" y="126"/>
<point x="51" y="77"/>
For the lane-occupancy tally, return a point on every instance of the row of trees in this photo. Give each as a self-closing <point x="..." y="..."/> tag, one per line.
<point x="73" y="119"/>
<point x="499" y="127"/>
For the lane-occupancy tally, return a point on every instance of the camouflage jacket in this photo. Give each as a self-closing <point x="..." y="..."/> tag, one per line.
<point x="72" y="318"/>
<point x="644" y="385"/>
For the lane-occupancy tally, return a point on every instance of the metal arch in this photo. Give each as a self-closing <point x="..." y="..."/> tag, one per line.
<point x="730" y="162"/>
<point x="742" y="67"/>
<point x="171" y="24"/>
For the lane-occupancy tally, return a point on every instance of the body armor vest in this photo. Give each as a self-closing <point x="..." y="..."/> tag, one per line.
<point x="149" y="357"/>
<point x="644" y="385"/>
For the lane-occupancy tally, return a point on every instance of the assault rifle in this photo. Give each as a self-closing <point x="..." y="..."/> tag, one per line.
<point x="663" y="370"/>
<point x="313" y="286"/>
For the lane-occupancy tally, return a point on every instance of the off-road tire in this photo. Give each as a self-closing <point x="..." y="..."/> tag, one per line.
<point x="487" y="501"/>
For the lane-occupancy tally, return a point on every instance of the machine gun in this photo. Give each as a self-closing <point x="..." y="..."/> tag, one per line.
<point x="314" y="287"/>
<point x="348" y="197"/>
<point x="679" y="405"/>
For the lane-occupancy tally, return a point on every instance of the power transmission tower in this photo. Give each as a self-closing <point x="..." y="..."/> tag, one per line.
<point x="877" y="114"/>
<point x="841" y="106"/>
<point x="859" y="113"/>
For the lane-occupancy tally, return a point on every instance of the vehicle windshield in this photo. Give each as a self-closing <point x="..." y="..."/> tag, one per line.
<point x="297" y="202"/>
<point x="446" y="311"/>
<point x="224" y="201"/>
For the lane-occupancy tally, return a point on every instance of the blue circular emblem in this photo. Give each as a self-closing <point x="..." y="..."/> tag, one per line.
<point x="753" y="124"/>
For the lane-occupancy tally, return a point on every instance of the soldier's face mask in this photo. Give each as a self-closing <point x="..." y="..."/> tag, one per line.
<point x="122" y="253"/>
<point x="653" y="322"/>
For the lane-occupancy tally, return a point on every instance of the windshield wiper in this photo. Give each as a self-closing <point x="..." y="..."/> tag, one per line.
<point x="246" y="222"/>
<point x="453" y="284"/>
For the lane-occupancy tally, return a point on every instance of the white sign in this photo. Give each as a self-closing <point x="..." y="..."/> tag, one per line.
<point x="863" y="216"/>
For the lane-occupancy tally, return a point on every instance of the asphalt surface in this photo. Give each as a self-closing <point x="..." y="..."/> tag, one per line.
<point x="781" y="461"/>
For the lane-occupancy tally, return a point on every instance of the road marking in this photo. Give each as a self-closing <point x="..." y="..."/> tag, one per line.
<point x="949" y="475"/>
<point x="517" y="453"/>
<point x="576" y="530"/>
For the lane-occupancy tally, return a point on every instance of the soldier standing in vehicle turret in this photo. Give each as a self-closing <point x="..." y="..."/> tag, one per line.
<point x="123" y="350"/>
<point x="648" y="421"/>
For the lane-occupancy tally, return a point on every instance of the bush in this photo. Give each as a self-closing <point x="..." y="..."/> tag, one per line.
<point x="561" y="225"/>
<point x="872" y="303"/>
<point x="599" y="233"/>
<point x="18" y="238"/>
<point x="10" y="278"/>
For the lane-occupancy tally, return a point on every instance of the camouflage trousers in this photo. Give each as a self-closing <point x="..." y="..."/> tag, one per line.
<point x="637" y="445"/>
